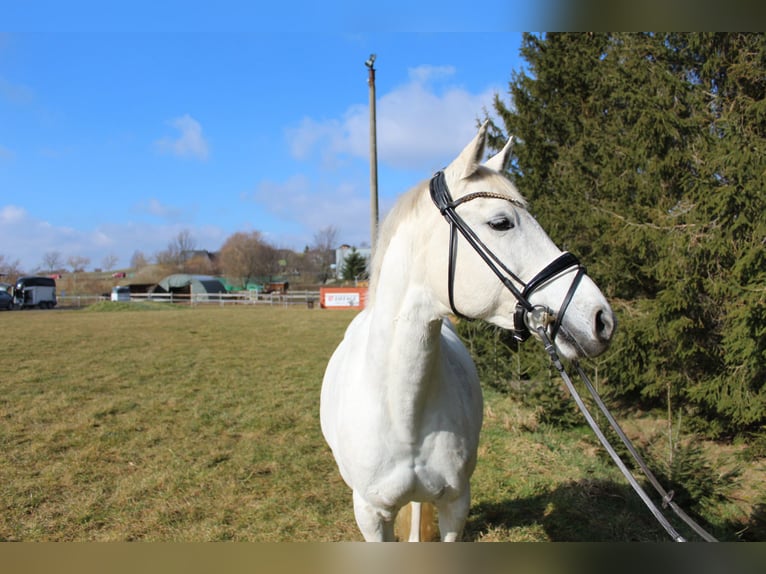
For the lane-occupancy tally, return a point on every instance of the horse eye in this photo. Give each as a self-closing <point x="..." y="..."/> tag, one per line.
<point x="501" y="224"/>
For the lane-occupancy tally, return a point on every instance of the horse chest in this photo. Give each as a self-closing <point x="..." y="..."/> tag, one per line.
<point x="440" y="466"/>
<point x="392" y="455"/>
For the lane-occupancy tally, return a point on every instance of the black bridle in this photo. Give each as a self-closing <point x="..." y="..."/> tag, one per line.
<point x="447" y="206"/>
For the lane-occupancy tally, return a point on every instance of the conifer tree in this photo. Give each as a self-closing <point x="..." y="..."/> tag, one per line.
<point x="354" y="266"/>
<point x="645" y="154"/>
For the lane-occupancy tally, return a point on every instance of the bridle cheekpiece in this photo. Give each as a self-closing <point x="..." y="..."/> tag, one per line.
<point x="526" y="313"/>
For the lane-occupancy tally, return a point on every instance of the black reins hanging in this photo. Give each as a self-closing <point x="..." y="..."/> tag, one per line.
<point x="667" y="497"/>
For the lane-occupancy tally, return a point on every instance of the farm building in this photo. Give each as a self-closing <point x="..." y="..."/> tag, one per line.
<point x="193" y="285"/>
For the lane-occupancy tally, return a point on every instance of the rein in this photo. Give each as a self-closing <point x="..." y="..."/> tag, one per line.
<point x="538" y="317"/>
<point x="666" y="496"/>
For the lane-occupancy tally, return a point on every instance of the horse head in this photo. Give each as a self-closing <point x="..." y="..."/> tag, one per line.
<point x="500" y="264"/>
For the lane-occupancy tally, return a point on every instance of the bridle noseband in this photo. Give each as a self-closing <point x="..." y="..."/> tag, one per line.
<point x="525" y="312"/>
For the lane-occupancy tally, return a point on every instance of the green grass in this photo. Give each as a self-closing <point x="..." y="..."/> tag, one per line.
<point x="121" y="306"/>
<point x="201" y="424"/>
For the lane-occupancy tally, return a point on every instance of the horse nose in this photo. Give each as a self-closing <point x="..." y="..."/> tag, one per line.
<point x="604" y="324"/>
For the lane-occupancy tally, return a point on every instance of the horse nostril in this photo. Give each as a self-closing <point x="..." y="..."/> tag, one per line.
<point x="604" y="325"/>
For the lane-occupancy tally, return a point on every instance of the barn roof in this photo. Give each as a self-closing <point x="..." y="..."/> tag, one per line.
<point x="195" y="283"/>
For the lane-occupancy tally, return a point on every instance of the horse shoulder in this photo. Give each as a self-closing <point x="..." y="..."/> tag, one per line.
<point x="343" y="381"/>
<point x="460" y="368"/>
<point x="457" y="355"/>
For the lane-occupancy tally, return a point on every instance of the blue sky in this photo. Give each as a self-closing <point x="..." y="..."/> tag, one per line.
<point x="116" y="136"/>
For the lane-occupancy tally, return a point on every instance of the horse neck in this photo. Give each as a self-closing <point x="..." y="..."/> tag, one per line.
<point x="405" y="337"/>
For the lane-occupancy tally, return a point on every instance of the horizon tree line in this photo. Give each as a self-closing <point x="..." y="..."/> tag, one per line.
<point x="243" y="258"/>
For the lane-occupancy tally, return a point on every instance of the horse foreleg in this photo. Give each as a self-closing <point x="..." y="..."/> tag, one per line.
<point x="376" y="525"/>
<point x="452" y="516"/>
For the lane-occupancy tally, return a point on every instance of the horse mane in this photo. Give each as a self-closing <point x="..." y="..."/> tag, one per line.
<point x="408" y="204"/>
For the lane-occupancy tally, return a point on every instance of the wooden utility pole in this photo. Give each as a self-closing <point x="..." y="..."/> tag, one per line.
<point x="370" y="63"/>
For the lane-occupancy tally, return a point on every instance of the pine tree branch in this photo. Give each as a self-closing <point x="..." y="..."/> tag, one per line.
<point x="647" y="224"/>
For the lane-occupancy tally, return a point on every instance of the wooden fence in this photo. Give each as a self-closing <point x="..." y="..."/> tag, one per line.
<point x="308" y="298"/>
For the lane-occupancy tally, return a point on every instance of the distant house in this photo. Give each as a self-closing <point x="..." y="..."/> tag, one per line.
<point x="342" y="252"/>
<point x="204" y="254"/>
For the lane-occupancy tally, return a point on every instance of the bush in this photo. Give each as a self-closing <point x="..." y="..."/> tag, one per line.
<point x="522" y="371"/>
<point x="695" y="481"/>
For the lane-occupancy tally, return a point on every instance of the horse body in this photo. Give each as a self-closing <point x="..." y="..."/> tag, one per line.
<point x="401" y="406"/>
<point x="401" y="409"/>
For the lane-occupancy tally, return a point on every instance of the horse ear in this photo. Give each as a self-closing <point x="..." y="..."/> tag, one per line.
<point x="466" y="164"/>
<point x="500" y="160"/>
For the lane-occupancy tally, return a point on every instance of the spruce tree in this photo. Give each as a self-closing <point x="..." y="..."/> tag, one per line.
<point x="731" y="257"/>
<point x="645" y="155"/>
<point x="354" y="266"/>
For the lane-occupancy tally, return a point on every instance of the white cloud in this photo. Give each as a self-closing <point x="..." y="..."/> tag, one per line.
<point x="11" y="214"/>
<point x="155" y="207"/>
<point x="423" y="74"/>
<point x="190" y="141"/>
<point x="27" y="238"/>
<point x="312" y="206"/>
<point x="420" y="125"/>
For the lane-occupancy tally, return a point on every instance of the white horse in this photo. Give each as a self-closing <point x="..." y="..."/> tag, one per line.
<point x="401" y="405"/>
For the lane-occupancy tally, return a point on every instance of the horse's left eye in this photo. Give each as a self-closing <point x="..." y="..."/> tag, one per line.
<point x="501" y="224"/>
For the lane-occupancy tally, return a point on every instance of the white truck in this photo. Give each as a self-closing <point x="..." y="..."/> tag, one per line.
<point x="34" y="291"/>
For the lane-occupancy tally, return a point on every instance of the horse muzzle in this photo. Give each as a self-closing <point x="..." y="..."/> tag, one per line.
<point x="528" y="318"/>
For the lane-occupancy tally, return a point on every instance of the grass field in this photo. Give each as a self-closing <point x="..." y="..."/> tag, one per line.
<point x="201" y="424"/>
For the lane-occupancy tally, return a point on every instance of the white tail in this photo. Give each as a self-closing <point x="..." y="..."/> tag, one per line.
<point x="415" y="522"/>
<point x="419" y="518"/>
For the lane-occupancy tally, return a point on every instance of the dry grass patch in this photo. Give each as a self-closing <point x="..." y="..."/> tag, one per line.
<point x="182" y="424"/>
<point x="202" y="424"/>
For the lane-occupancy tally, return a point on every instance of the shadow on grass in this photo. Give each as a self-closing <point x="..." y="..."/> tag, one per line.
<point x="579" y="511"/>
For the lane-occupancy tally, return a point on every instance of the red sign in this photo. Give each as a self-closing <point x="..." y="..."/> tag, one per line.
<point x="342" y="297"/>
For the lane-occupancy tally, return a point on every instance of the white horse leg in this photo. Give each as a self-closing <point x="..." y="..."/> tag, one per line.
<point x="452" y="516"/>
<point x="372" y="522"/>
